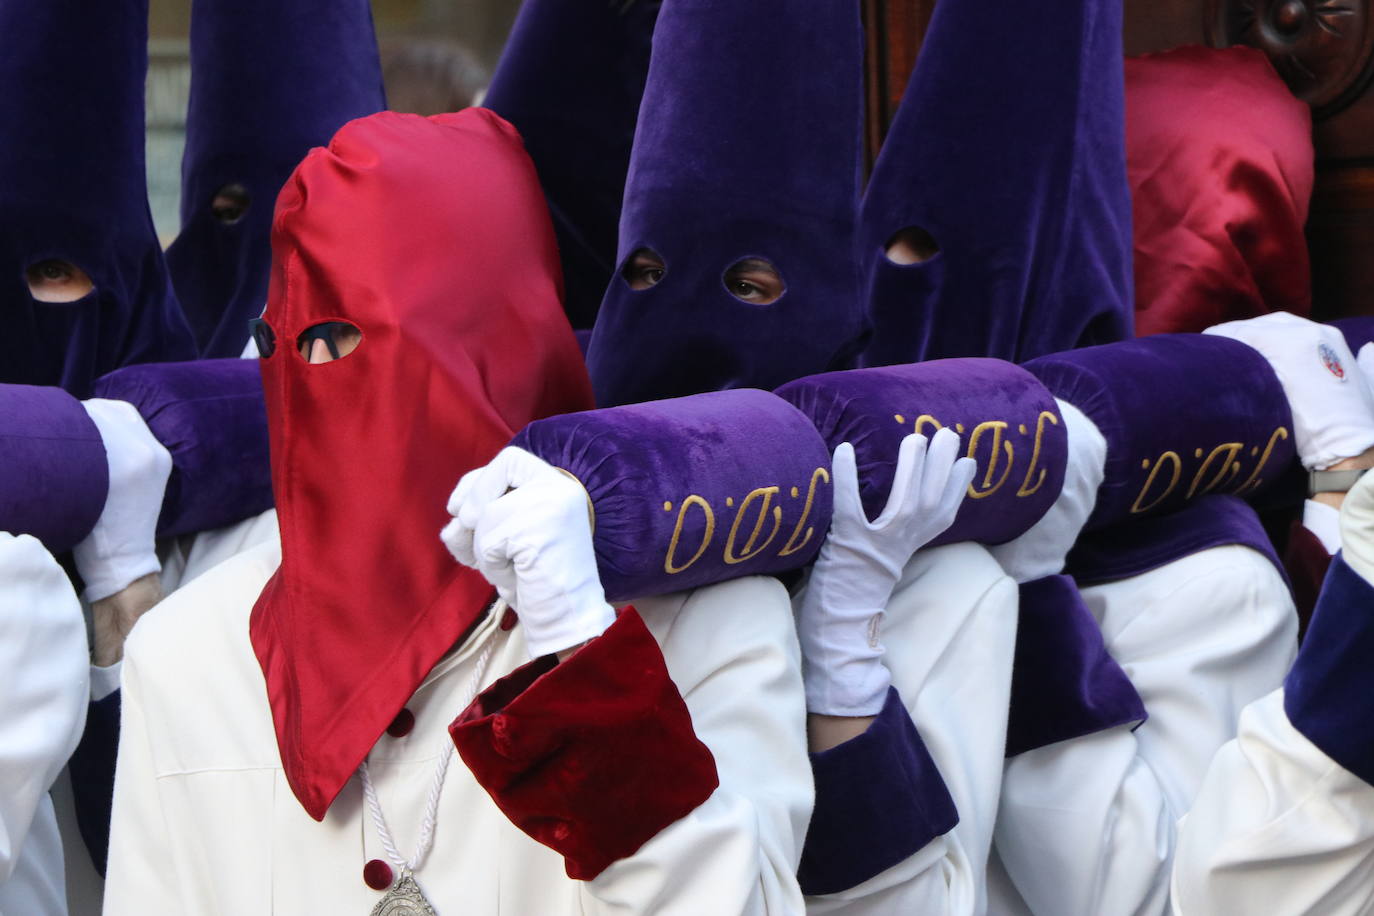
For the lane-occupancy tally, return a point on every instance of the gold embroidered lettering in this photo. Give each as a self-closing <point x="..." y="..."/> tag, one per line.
<point x="1230" y="450"/>
<point x="998" y="443"/>
<point x="668" y="565"/>
<point x="749" y="551"/>
<point x="1177" y="462"/>
<point x="793" y="545"/>
<point x="1254" y="481"/>
<point x="1026" y="489"/>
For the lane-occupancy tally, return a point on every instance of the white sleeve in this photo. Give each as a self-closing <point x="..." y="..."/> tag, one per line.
<point x="732" y="652"/>
<point x="1088" y="826"/>
<point x="950" y="634"/>
<point x="44" y="657"/>
<point x="1200" y="638"/>
<point x="1278" y="827"/>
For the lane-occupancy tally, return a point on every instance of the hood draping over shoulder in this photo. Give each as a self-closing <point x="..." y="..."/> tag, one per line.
<point x="747" y="148"/>
<point x="269" y="80"/>
<point x="1007" y="152"/>
<point x="1221" y="167"/>
<point x="570" y="79"/>
<point x="72" y="157"/>
<point x="430" y="235"/>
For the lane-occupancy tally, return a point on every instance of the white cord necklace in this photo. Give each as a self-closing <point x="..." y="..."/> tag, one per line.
<point x="404" y="895"/>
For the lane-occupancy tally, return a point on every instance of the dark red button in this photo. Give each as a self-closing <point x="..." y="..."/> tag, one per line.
<point x="509" y="620"/>
<point x="402" y="724"/>
<point x="377" y="875"/>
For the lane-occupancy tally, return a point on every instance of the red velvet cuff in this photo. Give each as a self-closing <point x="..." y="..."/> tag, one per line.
<point x="591" y="757"/>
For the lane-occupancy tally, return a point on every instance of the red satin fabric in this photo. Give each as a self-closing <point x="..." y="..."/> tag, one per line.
<point x="1220" y="160"/>
<point x="433" y="238"/>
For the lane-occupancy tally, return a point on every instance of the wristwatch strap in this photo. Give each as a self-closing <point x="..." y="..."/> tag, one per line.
<point x="1332" y="481"/>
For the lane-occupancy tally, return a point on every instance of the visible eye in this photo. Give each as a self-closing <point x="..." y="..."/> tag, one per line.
<point x="57" y="281"/>
<point x="643" y="269"/>
<point x="328" y="341"/>
<point x="754" y="281"/>
<point x="912" y="245"/>
<point x="230" y="203"/>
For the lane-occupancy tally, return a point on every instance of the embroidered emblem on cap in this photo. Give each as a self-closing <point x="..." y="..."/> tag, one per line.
<point x="1331" y="361"/>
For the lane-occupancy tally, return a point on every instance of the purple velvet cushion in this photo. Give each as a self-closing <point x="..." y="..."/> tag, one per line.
<point x="209" y="414"/>
<point x="56" y="475"/>
<point x="1007" y="421"/>
<point x="1183" y="414"/>
<point x="696" y="490"/>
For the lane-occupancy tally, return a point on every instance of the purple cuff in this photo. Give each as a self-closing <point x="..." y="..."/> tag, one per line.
<point x="1329" y="693"/>
<point x="879" y="799"/>
<point x="1064" y="683"/>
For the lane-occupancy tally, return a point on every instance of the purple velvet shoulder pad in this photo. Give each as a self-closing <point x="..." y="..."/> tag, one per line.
<point x="1184" y="415"/>
<point x="695" y="490"/>
<point x="1139" y="545"/>
<point x="56" y="474"/>
<point x="209" y="414"/>
<point x="1008" y="422"/>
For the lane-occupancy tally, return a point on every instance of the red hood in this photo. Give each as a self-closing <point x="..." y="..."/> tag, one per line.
<point x="430" y="235"/>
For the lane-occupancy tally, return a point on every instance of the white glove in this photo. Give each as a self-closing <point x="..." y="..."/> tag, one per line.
<point x="525" y="525"/>
<point x="121" y="548"/>
<point x="860" y="564"/>
<point x="1357" y="528"/>
<point x="1041" y="550"/>
<point x="1333" y="408"/>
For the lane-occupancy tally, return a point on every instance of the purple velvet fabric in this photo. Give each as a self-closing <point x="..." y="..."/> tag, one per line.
<point x="1358" y="331"/>
<point x="1008" y="149"/>
<point x="1007" y="421"/>
<point x="1183" y="414"/>
<point x="570" y="79"/>
<point x="1064" y="683"/>
<point x="696" y="490"/>
<point x="740" y="152"/>
<point x="1137" y="546"/>
<point x="209" y="414"/>
<point x="56" y="475"/>
<point x="1329" y="693"/>
<point x="269" y="80"/>
<point x="879" y="799"/>
<point x="71" y="154"/>
<point x="92" y="767"/>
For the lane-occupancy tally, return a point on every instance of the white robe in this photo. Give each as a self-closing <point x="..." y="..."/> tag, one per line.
<point x="949" y="634"/>
<point x="183" y="559"/>
<point x="204" y="821"/>
<point x="44" y="661"/>
<point x="1087" y="827"/>
<point x="1278" y="827"/>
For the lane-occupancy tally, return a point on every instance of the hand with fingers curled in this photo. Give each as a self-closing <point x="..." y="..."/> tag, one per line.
<point x="860" y="563"/>
<point x="524" y="525"/>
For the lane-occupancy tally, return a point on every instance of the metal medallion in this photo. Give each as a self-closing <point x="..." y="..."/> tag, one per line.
<point x="404" y="899"/>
